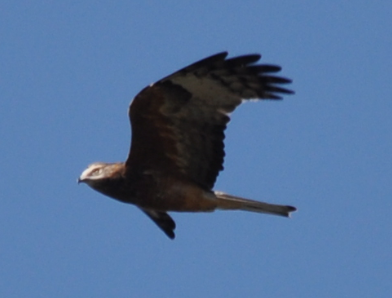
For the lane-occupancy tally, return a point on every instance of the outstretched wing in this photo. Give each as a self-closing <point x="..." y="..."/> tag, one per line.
<point x="178" y="123"/>
<point x="163" y="220"/>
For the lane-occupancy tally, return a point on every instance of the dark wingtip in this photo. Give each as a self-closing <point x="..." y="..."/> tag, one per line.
<point x="170" y="234"/>
<point x="168" y="229"/>
<point x="243" y="60"/>
<point x="163" y="221"/>
<point x="290" y="209"/>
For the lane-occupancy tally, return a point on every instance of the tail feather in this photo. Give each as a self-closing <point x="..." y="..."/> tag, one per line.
<point x="229" y="202"/>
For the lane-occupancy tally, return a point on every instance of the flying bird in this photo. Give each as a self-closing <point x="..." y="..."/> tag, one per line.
<point x="177" y="147"/>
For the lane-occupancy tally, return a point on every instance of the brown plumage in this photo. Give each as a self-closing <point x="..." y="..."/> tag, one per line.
<point x="177" y="147"/>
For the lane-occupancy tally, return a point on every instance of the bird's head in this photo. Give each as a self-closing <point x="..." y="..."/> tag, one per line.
<point x="106" y="178"/>
<point x="98" y="172"/>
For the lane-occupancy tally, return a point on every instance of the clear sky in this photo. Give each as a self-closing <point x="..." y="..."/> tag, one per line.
<point x="68" y="70"/>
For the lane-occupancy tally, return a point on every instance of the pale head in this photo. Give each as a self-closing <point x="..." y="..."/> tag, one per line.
<point x="99" y="171"/>
<point x="94" y="172"/>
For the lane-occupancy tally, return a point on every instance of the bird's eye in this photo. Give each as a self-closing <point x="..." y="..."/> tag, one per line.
<point x="96" y="172"/>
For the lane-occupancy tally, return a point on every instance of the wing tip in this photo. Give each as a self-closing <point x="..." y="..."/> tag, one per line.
<point x="290" y="209"/>
<point x="163" y="221"/>
<point x="170" y="234"/>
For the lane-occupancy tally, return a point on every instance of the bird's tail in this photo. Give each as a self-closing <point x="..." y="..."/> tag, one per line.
<point x="229" y="202"/>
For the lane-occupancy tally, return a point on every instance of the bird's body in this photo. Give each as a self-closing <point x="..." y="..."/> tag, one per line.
<point x="154" y="190"/>
<point x="177" y="145"/>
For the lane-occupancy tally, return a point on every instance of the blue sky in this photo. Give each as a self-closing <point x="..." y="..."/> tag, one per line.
<point x="68" y="72"/>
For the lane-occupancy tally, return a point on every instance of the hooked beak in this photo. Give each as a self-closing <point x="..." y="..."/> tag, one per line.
<point x="83" y="177"/>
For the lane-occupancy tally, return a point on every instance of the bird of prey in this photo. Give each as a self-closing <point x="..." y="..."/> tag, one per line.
<point x="177" y="147"/>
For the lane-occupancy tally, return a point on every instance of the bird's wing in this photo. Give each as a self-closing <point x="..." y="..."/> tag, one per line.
<point x="178" y="122"/>
<point x="163" y="220"/>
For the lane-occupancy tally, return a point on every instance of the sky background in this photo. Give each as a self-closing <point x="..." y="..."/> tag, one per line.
<point x="68" y="70"/>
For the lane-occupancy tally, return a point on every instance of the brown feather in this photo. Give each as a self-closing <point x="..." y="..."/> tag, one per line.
<point x="178" y="123"/>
